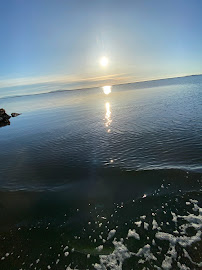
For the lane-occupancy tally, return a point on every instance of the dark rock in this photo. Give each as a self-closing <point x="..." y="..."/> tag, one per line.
<point x="3" y="124"/>
<point x="15" y="114"/>
<point x="2" y="112"/>
<point x="4" y="118"/>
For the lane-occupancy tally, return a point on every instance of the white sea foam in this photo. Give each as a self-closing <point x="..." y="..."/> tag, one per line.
<point x="120" y="253"/>
<point x="111" y="234"/>
<point x="146" y="225"/>
<point x="138" y="223"/>
<point x="146" y="253"/>
<point x="99" y="248"/>
<point x="114" y="261"/>
<point x="133" y="233"/>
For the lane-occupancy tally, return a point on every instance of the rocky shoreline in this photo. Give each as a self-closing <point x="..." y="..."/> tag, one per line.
<point x="4" y="117"/>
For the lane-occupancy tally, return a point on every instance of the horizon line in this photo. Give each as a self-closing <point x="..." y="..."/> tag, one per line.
<point x="100" y="86"/>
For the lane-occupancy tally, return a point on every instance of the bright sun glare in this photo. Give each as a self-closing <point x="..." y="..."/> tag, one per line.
<point x="107" y="89"/>
<point x="104" y="61"/>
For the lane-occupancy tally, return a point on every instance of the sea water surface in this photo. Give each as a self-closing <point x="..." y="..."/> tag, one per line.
<point x="96" y="181"/>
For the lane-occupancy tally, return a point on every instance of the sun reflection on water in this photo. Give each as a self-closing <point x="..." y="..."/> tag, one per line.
<point x="107" y="89"/>
<point x="108" y="116"/>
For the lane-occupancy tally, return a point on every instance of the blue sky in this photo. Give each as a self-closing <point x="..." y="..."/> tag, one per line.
<point x="50" y="44"/>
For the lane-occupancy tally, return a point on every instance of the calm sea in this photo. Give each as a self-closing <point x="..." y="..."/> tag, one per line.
<point x="96" y="181"/>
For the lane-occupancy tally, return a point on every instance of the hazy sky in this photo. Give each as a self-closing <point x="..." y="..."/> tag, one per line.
<point x="55" y="44"/>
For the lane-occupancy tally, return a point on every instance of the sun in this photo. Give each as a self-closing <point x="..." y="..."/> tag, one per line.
<point x="104" y="61"/>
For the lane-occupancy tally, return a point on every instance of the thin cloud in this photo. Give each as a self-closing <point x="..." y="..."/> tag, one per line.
<point x="62" y="80"/>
